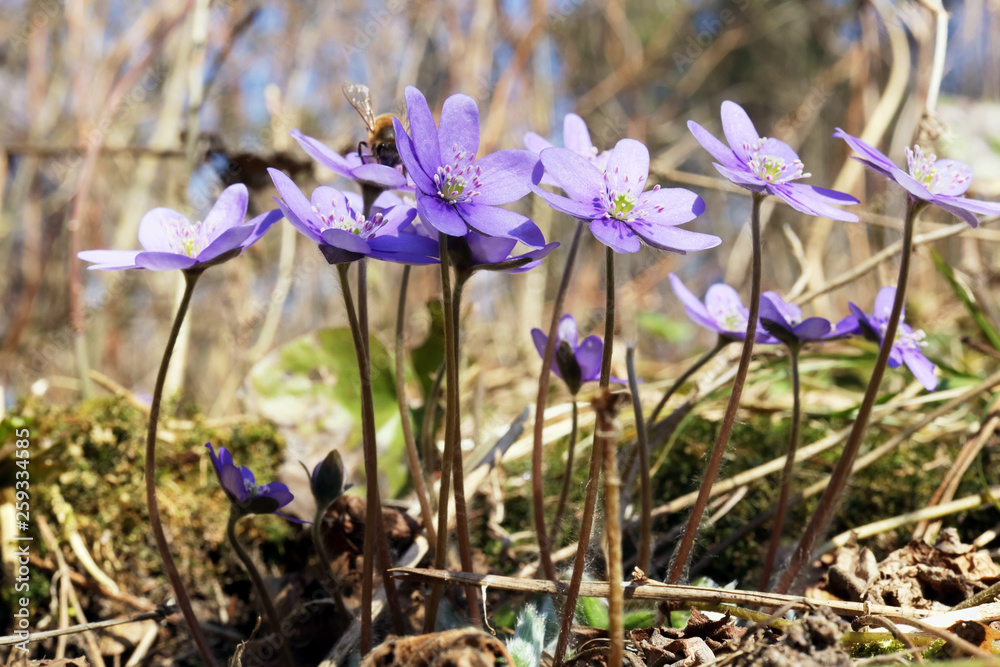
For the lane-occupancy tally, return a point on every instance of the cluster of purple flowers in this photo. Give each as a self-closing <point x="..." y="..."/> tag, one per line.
<point x="443" y="187"/>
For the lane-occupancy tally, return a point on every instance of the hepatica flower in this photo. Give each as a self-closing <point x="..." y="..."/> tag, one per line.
<point x="620" y="214"/>
<point x="475" y="251"/>
<point x="939" y="182"/>
<point x="576" y="361"/>
<point x="171" y="241"/>
<point x="768" y="166"/>
<point x="721" y="312"/>
<point x="352" y="165"/>
<point x="576" y="137"/>
<point x="243" y="491"/>
<point x="455" y="191"/>
<point x="784" y="321"/>
<point x="333" y="219"/>
<point x="906" y="349"/>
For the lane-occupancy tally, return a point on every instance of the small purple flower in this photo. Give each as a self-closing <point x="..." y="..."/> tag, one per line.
<point x="474" y="252"/>
<point x="575" y="362"/>
<point x="243" y="491"/>
<point x="938" y="182"/>
<point x="620" y="214"/>
<point x="333" y="219"/>
<point x="768" y="166"/>
<point x="171" y="241"/>
<point x="906" y="347"/>
<point x="352" y="165"/>
<point x="576" y="137"/>
<point x="784" y="321"/>
<point x="722" y="311"/>
<point x="455" y="191"/>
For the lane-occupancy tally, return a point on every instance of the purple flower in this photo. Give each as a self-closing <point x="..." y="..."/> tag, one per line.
<point x="243" y="491"/>
<point x="722" y="311"/>
<point x="576" y="137"/>
<point x="784" y="321"/>
<point x="333" y="219"/>
<point x="455" y="191"/>
<point x="575" y="362"/>
<point x="906" y="347"/>
<point x="171" y="241"/>
<point x="352" y="165"/>
<point x="767" y="165"/>
<point x="474" y="252"/>
<point x="620" y="214"/>
<point x="938" y="182"/>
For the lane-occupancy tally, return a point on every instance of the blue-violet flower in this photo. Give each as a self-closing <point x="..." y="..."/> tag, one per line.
<point x="244" y="493"/>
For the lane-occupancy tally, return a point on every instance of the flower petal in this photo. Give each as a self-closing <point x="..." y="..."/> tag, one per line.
<point x="742" y="178"/>
<point x="407" y="243"/>
<point x="110" y="260"/>
<point x="571" y="207"/>
<point x="883" y="304"/>
<point x="539" y="338"/>
<point x="458" y="130"/>
<point x="692" y="304"/>
<point x="536" y="256"/>
<point x="616" y="235"/>
<point x="953" y="178"/>
<point x="489" y="249"/>
<point x="590" y="355"/>
<point x="716" y="148"/>
<point x="164" y="261"/>
<point x="577" y="177"/>
<point x="441" y="216"/>
<point x="323" y="154"/>
<point x="868" y="154"/>
<point x="423" y="132"/>
<point x="921" y="367"/>
<point x="307" y="228"/>
<point x="230" y="209"/>
<point x="628" y="167"/>
<point x="230" y="239"/>
<point x="422" y="179"/>
<point x="379" y="174"/>
<point x="277" y="491"/>
<point x="505" y="176"/>
<point x="345" y="240"/>
<point x="157" y="229"/>
<point x="261" y="224"/>
<point x="771" y="308"/>
<point x="956" y="206"/>
<point x="496" y="221"/>
<point x="739" y="130"/>
<point x="670" y="206"/>
<point x="567" y="330"/>
<point x="813" y="328"/>
<point x="802" y="198"/>
<point x="295" y="202"/>
<point x="536" y="143"/>
<point x="576" y="136"/>
<point x="673" y="239"/>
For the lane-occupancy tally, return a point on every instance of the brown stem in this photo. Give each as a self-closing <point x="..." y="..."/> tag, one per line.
<point x="258" y="584"/>
<point x="646" y="490"/>
<point x="183" y="601"/>
<point x="607" y="429"/>
<point x="609" y="317"/>
<point x="729" y="419"/>
<point x="537" y="488"/>
<point x="786" y="473"/>
<point x="416" y="471"/>
<point x="586" y="525"/>
<point x="828" y="503"/>
<point x="567" y="475"/>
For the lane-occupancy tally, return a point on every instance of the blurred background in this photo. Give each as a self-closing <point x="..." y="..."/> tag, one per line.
<point x="111" y="108"/>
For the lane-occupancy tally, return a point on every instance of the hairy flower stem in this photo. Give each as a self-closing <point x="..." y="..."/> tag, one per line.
<point x="452" y="425"/>
<point x="416" y="470"/>
<point x="720" y="344"/>
<point x="458" y="469"/>
<point x="729" y="419"/>
<point x="646" y="490"/>
<point x="333" y="585"/>
<point x="583" y="544"/>
<point x="786" y="473"/>
<point x="567" y="475"/>
<point x="537" y="488"/>
<point x="609" y="318"/>
<point x="606" y="407"/>
<point x="828" y="503"/>
<point x="375" y="545"/>
<point x="258" y="584"/>
<point x="183" y="601"/>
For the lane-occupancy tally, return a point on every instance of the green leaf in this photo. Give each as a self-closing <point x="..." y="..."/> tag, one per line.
<point x="593" y="612"/>
<point x="640" y="618"/>
<point x="968" y="299"/>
